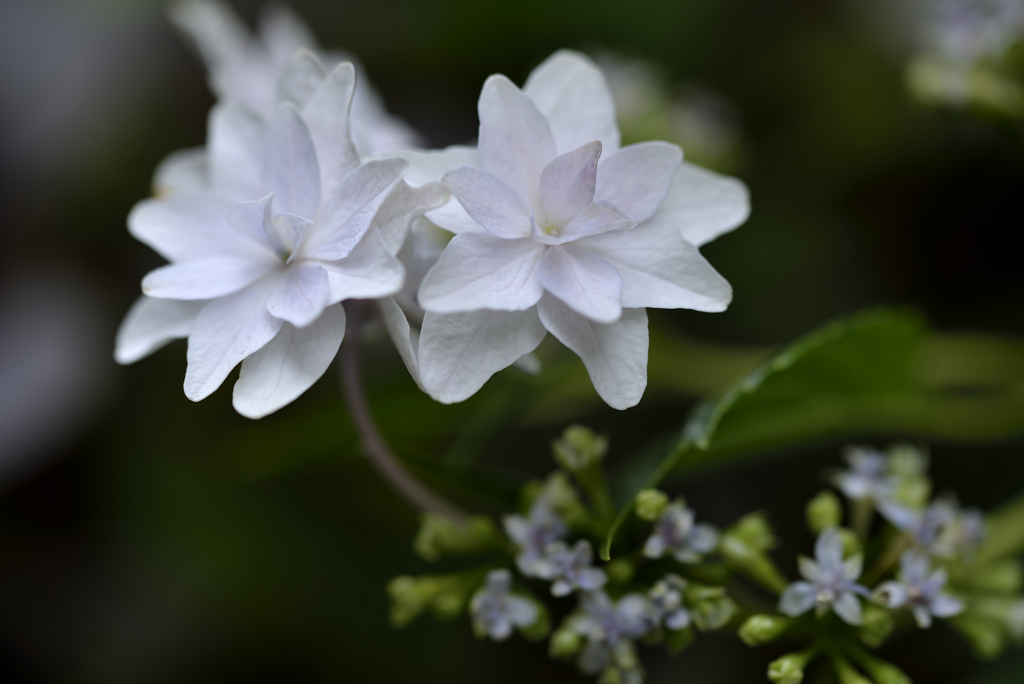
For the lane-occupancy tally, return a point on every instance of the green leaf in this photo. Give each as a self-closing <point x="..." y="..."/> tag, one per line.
<point x="880" y="371"/>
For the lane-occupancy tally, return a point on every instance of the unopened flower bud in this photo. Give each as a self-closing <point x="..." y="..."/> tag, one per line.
<point x="650" y="504"/>
<point x="579" y="448"/>
<point x="886" y="673"/>
<point x="620" y="571"/>
<point x="745" y="544"/>
<point x="851" y="543"/>
<point x="1004" y="576"/>
<point x="564" y="643"/>
<point x="876" y="626"/>
<point x="986" y="635"/>
<point x="789" y="669"/>
<point x="762" y="629"/>
<point x="824" y="511"/>
<point x="440" y="536"/>
<point x="754" y="531"/>
<point x="710" y="607"/>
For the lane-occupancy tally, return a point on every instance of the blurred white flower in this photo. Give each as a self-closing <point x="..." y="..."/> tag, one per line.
<point x="830" y="582"/>
<point x="279" y="225"/>
<point x="247" y="68"/>
<point x="496" y="611"/>
<point x="558" y="229"/>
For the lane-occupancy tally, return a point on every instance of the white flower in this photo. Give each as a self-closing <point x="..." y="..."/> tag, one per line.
<point x="496" y="611"/>
<point x="559" y="230"/>
<point x="920" y="589"/>
<point x="831" y="582"/>
<point x="248" y="68"/>
<point x="283" y="225"/>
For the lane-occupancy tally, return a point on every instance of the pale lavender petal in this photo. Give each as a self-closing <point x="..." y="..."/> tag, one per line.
<point x="327" y="113"/>
<point x="286" y="367"/>
<point x="797" y="598"/>
<point x="922" y="616"/>
<point x="847" y="607"/>
<point x="703" y="538"/>
<point x="184" y="171"/>
<point x="205" y="278"/>
<point x="301" y="75"/>
<point x="459" y="352"/>
<point x="582" y="280"/>
<point x="702" y="204"/>
<point x="152" y="323"/>
<point x="480" y="271"/>
<point x="515" y="138"/>
<point x="226" y="332"/>
<point x="852" y="567"/>
<point x="808" y="568"/>
<point x="236" y="152"/>
<point x="614" y="354"/>
<point x="292" y="171"/>
<point x="944" y="606"/>
<point x="891" y="594"/>
<point x="570" y="90"/>
<point x="567" y="183"/>
<point x="661" y="270"/>
<point x="636" y="178"/>
<point x="596" y="218"/>
<point x="828" y="550"/>
<point x="368" y="272"/>
<point x="301" y="294"/>
<point x="491" y="202"/>
<point x="188" y="226"/>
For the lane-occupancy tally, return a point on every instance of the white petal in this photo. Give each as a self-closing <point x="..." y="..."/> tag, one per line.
<point x="847" y="607"/>
<point x="287" y="232"/>
<point x="597" y="218"/>
<point x="890" y="594"/>
<point x="808" y="568"/>
<point x="828" y="550"/>
<point x="283" y="32"/>
<point x="458" y="353"/>
<point x="291" y="166"/>
<point x="570" y="90"/>
<point x="288" y="365"/>
<point x="567" y="183"/>
<point x="188" y="226"/>
<point x="945" y="605"/>
<point x="636" y="179"/>
<point x="206" y="278"/>
<point x="252" y="221"/>
<point x="615" y="354"/>
<point x="661" y="270"/>
<point x="402" y="336"/>
<point x="403" y="206"/>
<point x="227" y="331"/>
<point x="426" y="166"/>
<point x="368" y="272"/>
<point x="301" y="294"/>
<point x="515" y="139"/>
<point x="480" y="271"/>
<point x="491" y="202"/>
<point x="236" y="149"/>
<point x="184" y="171"/>
<point x="922" y="616"/>
<point x="797" y="599"/>
<point x="152" y="323"/>
<point x="852" y="567"/>
<point x="328" y="115"/>
<point x="347" y="216"/>
<point x="583" y="280"/>
<point x="299" y="78"/>
<point x="702" y="204"/>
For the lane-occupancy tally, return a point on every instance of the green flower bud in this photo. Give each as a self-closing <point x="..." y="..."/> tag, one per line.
<point x="565" y="643"/>
<point x="650" y="504"/>
<point x="620" y="571"/>
<point x="710" y="607"/>
<point x="876" y="625"/>
<point x="847" y="674"/>
<point x="907" y="460"/>
<point x="744" y="546"/>
<point x="824" y="511"/>
<point x="579" y="448"/>
<point x="789" y="669"/>
<point x="886" y="673"/>
<point x="1005" y="575"/>
<point x="440" y="536"/>
<point x="851" y="542"/>
<point x="762" y="629"/>
<point x="445" y="596"/>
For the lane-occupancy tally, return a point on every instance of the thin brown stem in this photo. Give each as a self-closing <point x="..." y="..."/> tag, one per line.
<point x="373" y="443"/>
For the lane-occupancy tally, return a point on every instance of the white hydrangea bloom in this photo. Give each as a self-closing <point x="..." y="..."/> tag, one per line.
<point x="559" y="230"/>
<point x="265" y="240"/>
<point x="247" y="68"/>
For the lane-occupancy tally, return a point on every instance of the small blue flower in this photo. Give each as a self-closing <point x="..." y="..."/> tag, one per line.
<point x="609" y="628"/>
<point x="533" y="535"/>
<point x="667" y="598"/>
<point x="920" y="589"/>
<point x="496" y="611"/>
<point x="830" y="582"/>
<point x="868" y="476"/>
<point x="570" y="569"/>
<point x="676" y="533"/>
<point x="942" y="529"/>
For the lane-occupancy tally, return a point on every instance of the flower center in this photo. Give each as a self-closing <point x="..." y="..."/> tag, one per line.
<point x="552" y="230"/>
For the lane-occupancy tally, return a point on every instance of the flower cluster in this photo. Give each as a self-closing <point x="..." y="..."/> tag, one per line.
<point x="963" y="57"/>
<point x="924" y="565"/>
<point x="648" y="599"/>
<point x="307" y="194"/>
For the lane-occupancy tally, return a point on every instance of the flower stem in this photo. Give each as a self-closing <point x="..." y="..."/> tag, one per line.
<point x="374" y="445"/>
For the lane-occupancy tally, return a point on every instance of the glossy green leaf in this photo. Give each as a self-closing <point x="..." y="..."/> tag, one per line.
<point x="880" y="371"/>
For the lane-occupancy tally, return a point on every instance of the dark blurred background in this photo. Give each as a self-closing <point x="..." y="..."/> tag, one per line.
<point x="144" y="538"/>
